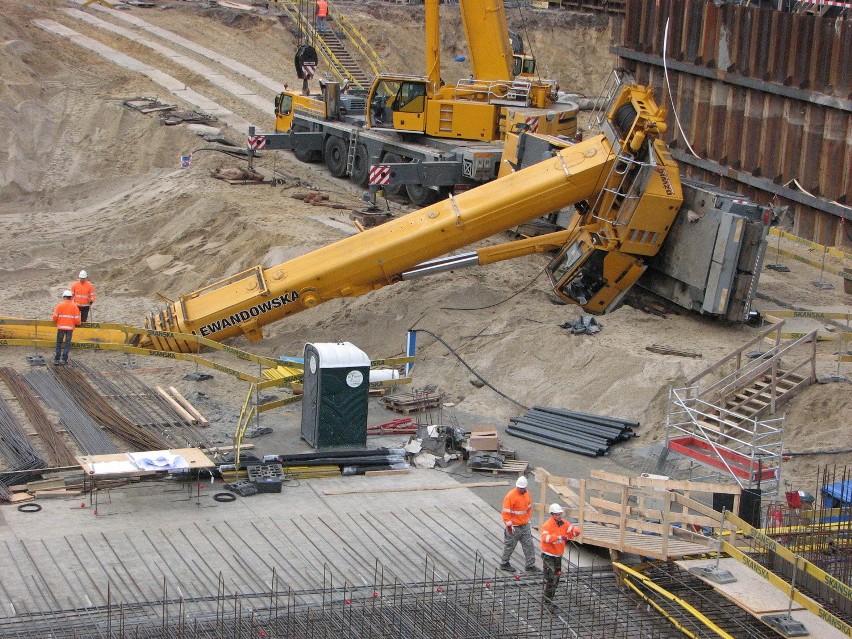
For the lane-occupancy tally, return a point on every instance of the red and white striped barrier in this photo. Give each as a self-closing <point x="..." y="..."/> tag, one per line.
<point x="379" y="175"/>
<point x="256" y="142"/>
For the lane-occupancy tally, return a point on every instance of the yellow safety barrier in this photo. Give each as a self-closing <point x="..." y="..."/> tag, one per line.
<point x="628" y="574"/>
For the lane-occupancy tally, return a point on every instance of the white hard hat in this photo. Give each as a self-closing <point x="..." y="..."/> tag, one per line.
<point x="522" y="482"/>
<point x="67" y="293"/>
<point x="556" y="508"/>
<point x="83" y="275"/>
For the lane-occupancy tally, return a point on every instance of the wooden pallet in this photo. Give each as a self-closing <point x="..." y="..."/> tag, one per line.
<point x="406" y="403"/>
<point x="509" y="466"/>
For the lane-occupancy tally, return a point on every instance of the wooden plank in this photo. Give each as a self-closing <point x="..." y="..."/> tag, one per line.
<point x="402" y="489"/>
<point x="750" y="592"/>
<point x="19" y="498"/>
<point x="45" y="484"/>
<point x="178" y="408"/>
<point x="183" y="401"/>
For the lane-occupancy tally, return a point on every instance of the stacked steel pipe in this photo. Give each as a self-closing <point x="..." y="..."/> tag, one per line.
<point x="575" y="432"/>
<point x="350" y="462"/>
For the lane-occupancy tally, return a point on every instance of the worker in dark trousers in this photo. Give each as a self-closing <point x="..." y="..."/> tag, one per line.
<point x="66" y="316"/>
<point x="84" y="295"/>
<point x="517" y="511"/>
<point x="555" y="533"/>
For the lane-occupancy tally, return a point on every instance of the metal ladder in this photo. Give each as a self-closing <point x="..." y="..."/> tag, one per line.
<point x="350" y="155"/>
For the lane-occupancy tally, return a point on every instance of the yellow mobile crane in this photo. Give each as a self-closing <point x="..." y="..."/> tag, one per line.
<point x="484" y="107"/>
<point x="623" y="182"/>
<point x="417" y="119"/>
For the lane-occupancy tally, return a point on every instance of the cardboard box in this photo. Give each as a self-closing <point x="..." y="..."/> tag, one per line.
<point x="484" y="439"/>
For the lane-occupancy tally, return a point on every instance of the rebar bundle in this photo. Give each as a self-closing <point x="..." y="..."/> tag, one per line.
<point x="57" y="448"/>
<point x="89" y="436"/>
<point x="142" y="406"/>
<point x="17" y="451"/>
<point x="99" y="410"/>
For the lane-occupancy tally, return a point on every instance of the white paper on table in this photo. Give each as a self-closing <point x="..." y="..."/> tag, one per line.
<point x="158" y="460"/>
<point x="113" y="467"/>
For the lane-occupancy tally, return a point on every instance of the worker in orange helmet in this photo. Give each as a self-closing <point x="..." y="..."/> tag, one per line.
<point x="555" y="533"/>
<point x="66" y="316"/>
<point x="517" y="511"/>
<point x="322" y="14"/>
<point x="84" y="295"/>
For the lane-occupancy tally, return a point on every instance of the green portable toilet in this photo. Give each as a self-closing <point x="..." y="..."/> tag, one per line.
<point x="335" y="395"/>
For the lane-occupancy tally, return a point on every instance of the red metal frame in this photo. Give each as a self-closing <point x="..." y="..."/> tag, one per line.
<point x="739" y="464"/>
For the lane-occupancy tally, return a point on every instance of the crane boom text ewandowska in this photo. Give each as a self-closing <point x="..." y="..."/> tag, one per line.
<point x="243" y="316"/>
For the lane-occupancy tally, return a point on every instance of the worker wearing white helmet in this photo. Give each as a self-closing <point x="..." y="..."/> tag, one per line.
<point x="517" y="511"/>
<point x="84" y="295"/>
<point x="555" y="533"/>
<point x="66" y="316"/>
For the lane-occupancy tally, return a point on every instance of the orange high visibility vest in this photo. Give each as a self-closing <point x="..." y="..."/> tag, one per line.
<point x="517" y="508"/>
<point x="84" y="293"/>
<point x="322" y="9"/>
<point x="66" y="315"/>
<point x="553" y="535"/>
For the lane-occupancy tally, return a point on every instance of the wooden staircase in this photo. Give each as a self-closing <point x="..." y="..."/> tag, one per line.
<point x="727" y="424"/>
<point x="758" y="399"/>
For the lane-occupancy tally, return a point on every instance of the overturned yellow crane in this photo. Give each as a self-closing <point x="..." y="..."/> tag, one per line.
<point x="623" y="182"/>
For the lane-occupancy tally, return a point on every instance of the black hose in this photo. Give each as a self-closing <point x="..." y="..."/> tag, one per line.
<point x="468" y="367"/>
<point x="820" y="452"/>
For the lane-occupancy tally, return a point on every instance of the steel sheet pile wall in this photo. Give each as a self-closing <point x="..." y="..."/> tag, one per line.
<point x="764" y="98"/>
<point x="581" y="433"/>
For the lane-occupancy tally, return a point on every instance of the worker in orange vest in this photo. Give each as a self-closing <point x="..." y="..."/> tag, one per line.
<point x="84" y="295"/>
<point x="322" y="14"/>
<point x="555" y="533"/>
<point x="517" y="511"/>
<point x="66" y="316"/>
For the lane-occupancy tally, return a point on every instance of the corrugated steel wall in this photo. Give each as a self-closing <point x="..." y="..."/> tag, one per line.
<point x="764" y="99"/>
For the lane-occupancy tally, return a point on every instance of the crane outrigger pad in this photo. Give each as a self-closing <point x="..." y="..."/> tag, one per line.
<point x="714" y="573"/>
<point x="785" y="625"/>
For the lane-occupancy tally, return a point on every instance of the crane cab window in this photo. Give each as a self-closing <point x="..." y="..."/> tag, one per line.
<point x="523" y="65"/>
<point x="564" y="263"/>
<point x="396" y="96"/>
<point x="411" y="97"/>
<point x="283" y="104"/>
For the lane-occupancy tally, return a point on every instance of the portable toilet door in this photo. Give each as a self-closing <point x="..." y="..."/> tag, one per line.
<point x="335" y="395"/>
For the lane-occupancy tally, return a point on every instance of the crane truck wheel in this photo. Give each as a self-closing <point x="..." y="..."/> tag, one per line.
<point x="311" y="157"/>
<point x="335" y="156"/>
<point x="361" y="166"/>
<point x="424" y="196"/>
<point x="396" y="189"/>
